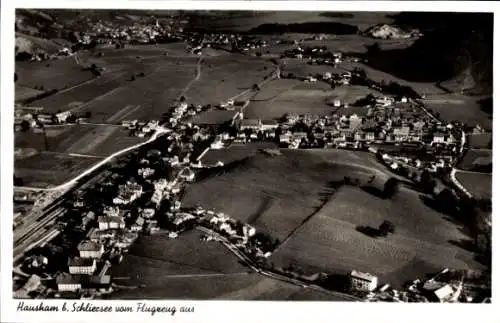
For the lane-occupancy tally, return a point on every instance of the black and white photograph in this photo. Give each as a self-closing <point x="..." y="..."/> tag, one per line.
<point x="251" y="155"/>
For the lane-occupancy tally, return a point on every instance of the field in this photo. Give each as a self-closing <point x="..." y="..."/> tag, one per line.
<point x="290" y="96"/>
<point x="224" y="77"/>
<point x="79" y="139"/>
<point x="47" y="169"/>
<point x="186" y="268"/>
<point x="213" y="117"/>
<point x="459" y="107"/>
<point x="113" y="96"/>
<point x="478" y="184"/>
<point x="472" y="155"/>
<point x="479" y="140"/>
<point x="424" y="240"/>
<point x="23" y="93"/>
<point x="276" y="193"/>
<point x="234" y="152"/>
<point x="54" y="74"/>
<point x="145" y="98"/>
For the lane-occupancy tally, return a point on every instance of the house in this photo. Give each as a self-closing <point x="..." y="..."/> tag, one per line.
<point x="269" y="125"/>
<point x="138" y="225"/>
<point x="369" y="136"/>
<point x="68" y="283"/>
<point x="90" y="249"/>
<point x="363" y="281"/>
<point x="443" y="293"/>
<point x="96" y="235"/>
<point x="111" y="222"/>
<point x="438" y="138"/>
<point x="82" y="266"/>
<point x="63" y="116"/>
<point x="252" y="124"/>
<point x="401" y="134"/>
<point x="187" y="174"/>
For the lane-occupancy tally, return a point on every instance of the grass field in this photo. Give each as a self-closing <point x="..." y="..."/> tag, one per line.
<point x="329" y="242"/>
<point x="478" y="184"/>
<point x="186" y="268"/>
<point x="53" y="74"/>
<point x="47" y="169"/>
<point x="480" y="140"/>
<point x="234" y="152"/>
<point x="467" y="162"/>
<point x="276" y="193"/>
<point x="213" y="117"/>
<point x="460" y="107"/>
<point x="79" y="139"/>
<point x="81" y="94"/>
<point x="151" y="96"/>
<point x="290" y="96"/>
<point x="224" y="77"/>
<point x="23" y="92"/>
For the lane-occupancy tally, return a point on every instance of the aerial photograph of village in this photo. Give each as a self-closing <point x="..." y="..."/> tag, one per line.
<point x="253" y="155"/>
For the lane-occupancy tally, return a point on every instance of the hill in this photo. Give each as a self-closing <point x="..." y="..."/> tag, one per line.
<point x="456" y="50"/>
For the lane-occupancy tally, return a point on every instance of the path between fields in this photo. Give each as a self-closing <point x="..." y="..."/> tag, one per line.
<point x="244" y="258"/>
<point x="96" y="166"/>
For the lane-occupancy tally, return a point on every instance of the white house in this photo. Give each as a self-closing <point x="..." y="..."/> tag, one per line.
<point x="82" y="266"/>
<point x="68" y="283"/>
<point x="363" y="281"/>
<point x="89" y="249"/>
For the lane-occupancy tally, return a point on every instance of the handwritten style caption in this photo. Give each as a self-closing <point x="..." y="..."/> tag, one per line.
<point x="78" y="307"/>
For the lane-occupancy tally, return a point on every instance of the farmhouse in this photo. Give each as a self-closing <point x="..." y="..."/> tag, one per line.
<point x="138" y="225"/>
<point x="68" y="283"/>
<point x="111" y="222"/>
<point x="401" y="134"/>
<point x="252" y="124"/>
<point x="187" y="174"/>
<point x="363" y="281"/>
<point x="89" y="249"/>
<point x="269" y="125"/>
<point x="83" y="266"/>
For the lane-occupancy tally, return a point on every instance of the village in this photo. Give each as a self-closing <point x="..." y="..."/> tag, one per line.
<point x="146" y="198"/>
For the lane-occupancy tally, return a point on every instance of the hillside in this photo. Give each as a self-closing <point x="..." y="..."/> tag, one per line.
<point x="456" y="50"/>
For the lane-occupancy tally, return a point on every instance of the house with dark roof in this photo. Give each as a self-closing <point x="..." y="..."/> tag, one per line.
<point x="82" y="266"/>
<point x="90" y="249"/>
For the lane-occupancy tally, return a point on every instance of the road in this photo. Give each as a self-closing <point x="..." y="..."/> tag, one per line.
<point x="106" y="160"/>
<point x="269" y="274"/>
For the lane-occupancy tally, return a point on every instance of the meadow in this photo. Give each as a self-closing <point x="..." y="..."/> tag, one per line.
<point x="48" y="169"/>
<point x="424" y="241"/>
<point x="478" y="184"/>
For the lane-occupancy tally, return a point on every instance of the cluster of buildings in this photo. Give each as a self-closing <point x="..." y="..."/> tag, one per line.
<point x="26" y="118"/>
<point x="141" y="128"/>
<point x="447" y="286"/>
<point x="143" y="31"/>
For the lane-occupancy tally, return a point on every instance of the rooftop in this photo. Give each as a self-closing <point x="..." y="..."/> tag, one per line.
<point x="89" y="246"/>
<point x="81" y="262"/>
<point x="364" y="276"/>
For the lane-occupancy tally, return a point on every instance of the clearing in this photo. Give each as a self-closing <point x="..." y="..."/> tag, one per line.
<point x="277" y="193"/>
<point x="425" y="241"/>
<point x="478" y="184"/>
<point x="50" y="169"/>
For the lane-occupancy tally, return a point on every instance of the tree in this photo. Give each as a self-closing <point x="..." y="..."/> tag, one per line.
<point x="25" y="126"/>
<point x="427" y="182"/>
<point x="88" y="114"/>
<point x="390" y="188"/>
<point x="387" y="227"/>
<point x="255" y="87"/>
<point x="182" y="99"/>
